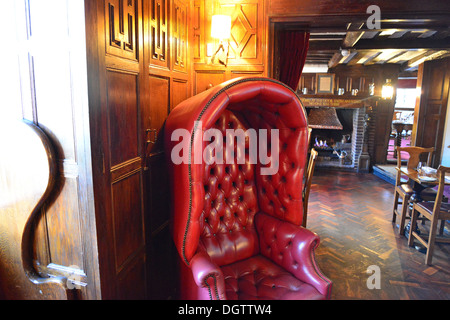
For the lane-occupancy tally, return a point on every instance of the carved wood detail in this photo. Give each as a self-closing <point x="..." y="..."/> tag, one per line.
<point x="121" y="28"/>
<point x="179" y="35"/>
<point x="244" y="24"/>
<point x="198" y="16"/>
<point x="158" y="19"/>
<point x="29" y="184"/>
<point x="246" y="52"/>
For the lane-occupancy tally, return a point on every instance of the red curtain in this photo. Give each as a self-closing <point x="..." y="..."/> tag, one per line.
<point x="293" y="48"/>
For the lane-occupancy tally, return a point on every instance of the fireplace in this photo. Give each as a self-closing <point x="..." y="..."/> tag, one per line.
<point x="339" y="134"/>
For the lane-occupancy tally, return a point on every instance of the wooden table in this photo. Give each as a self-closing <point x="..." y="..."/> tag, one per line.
<point x="418" y="186"/>
<point x="413" y="175"/>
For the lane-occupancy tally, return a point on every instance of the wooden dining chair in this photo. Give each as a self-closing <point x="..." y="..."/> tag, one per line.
<point x="309" y="135"/>
<point x="432" y="211"/>
<point x="402" y="189"/>
<point x="307" y="185"/>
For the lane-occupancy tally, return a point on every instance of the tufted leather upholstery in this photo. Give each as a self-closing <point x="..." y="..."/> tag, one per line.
<point x="230" y="204"/>
<point x="259" y="278"/>
<point x="237" y="230"/>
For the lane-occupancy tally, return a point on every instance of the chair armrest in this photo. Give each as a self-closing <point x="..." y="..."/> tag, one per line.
<point x="292" y="247"/>
<point x="208" y="275"/>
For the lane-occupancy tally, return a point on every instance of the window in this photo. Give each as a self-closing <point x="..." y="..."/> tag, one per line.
<point x="406" y="98"/>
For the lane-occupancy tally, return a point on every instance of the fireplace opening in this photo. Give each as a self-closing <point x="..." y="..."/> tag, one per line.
<point x="326" y="139"/>
<point x="337" y="147"/>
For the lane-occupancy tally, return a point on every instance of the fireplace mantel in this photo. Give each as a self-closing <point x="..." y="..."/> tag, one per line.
<point x="336" y="101"/>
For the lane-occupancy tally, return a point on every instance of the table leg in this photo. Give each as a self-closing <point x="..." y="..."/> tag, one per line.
<point x="415" y="197"/>
<point x="398" y="142"/>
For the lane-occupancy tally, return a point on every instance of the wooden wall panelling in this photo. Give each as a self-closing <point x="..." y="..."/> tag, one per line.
<point x="205" y="79"/>
<point x="121" y="28"/>
<point x="247" y="46"/>
<point x="383" y="113"/>
<point x="115" y="60"/>
<point x="168" y="70"/>
<point x="157" y="111"/>
<point x="431" y="106"/>
<point x="308" y="81"/>
<point x="163" y="276"/>
<point x="158" y="33"/>
<point x="255" y="72"/>
<point x="181" y="57"/>
<point x="180" y="91"/>
<point x="246" y="33"/>
<point x="167" y="83"/>
<point x="198" y="43"/>
<point x="127" y="220"/>
<point x="123" y="145"/>
<point x="122" y="110"/>
<point x="135" y="273"/>
<point x="179" y="35"/>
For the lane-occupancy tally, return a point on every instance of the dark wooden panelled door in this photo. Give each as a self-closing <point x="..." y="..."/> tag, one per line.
<point x="138" y="70"/>
<point x="431" y="109"/>
<point x="115" y="74"/>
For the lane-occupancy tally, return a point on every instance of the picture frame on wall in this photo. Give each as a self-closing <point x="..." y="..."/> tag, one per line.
<point x="325" y="83"/>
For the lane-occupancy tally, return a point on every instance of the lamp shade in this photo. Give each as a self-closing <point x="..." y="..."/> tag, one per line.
<point x="220" y="26"/>
<point x="387" y="91"/>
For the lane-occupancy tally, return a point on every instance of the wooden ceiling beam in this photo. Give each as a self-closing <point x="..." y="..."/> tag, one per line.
<point x="352" y="38"/>
<point x="325" y="45"/>
<point x="399" y="44"/>
<point x="370" y="59"/>
<point x="354" y="33"/>
<point x="428" y="55"/>
<point x="334" y="61"/>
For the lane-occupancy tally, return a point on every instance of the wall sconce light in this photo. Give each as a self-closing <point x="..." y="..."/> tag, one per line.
<point x="221" y="29"/>
<point x="387" y="91"/>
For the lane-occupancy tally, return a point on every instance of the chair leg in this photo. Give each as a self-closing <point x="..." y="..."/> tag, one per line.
<point x="411" y="229"/>
<point x="431" y="241"/>
<point x="441" y="228"/>
<point x="403" y="216"/>
<point x="394" y="215"/>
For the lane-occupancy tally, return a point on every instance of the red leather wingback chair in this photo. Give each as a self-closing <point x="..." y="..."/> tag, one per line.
<point x="237" y="231"/>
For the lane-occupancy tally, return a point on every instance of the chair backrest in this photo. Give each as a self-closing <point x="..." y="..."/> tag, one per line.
<point x="230" y="204"/>
<point x="261" y="104"/>
<point x="308" y="181"/>
<point x="414" y="156"/>
<point x="309" y="135"/>
<point x="441" y="171"/>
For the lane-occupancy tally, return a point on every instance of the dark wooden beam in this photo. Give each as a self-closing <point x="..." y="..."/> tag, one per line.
<point x="352" y="38"/>
<point x="399" y="44"/>
<point x="325" y="45"/>
<point x="334" y="61"/>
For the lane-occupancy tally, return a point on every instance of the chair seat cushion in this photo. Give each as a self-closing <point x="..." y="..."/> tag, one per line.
<point x="445" y="207"/>
<point x="259" y="278"/>
<point x="405" y="189"/>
